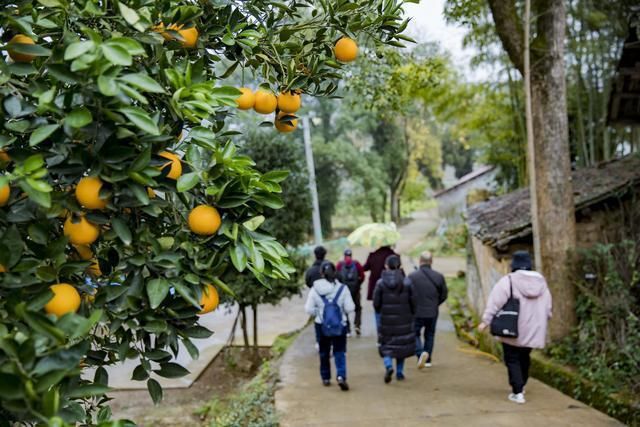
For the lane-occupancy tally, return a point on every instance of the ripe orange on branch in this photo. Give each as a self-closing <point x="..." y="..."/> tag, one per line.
<point x="266" y="102"/>
<point x="346" y="50"/>
<point x="247" y="100"/>
<point x="285" y="126"/>
<point x="189" y="35"/>
<point x="17" y="56"/>
<point x="66" y="299"/>
<point x="176" y="164"/>
<point x="289" y="102"/>
<point x="5" y="192"/>
<point x="88" y="193"/>
<point x="204" y="220"/>
<point x="209" y="300"/>
<point x="81" y="232"/>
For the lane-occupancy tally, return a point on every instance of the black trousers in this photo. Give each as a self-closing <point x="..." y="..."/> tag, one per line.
<point x="518" y="361"/>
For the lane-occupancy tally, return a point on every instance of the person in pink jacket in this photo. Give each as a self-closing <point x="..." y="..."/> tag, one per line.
<point x="531" y="289"/>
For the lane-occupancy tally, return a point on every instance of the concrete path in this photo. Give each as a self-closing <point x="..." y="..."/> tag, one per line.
<point x="464" y="387"/>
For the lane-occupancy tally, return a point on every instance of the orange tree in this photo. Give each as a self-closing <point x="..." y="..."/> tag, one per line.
<point x="113" y="117"/>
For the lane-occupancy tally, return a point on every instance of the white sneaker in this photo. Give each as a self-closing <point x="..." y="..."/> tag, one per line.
<point x="427" y="365"/>
<point x="517" y="398"/>
<point x="422" y="360"/>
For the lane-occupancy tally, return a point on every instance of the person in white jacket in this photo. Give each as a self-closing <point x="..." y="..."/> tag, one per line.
<point x="329" y="288"/>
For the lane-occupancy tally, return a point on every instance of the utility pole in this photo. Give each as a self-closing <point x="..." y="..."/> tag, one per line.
<point x="531" y="152"/>
<point x="317" y="227"/>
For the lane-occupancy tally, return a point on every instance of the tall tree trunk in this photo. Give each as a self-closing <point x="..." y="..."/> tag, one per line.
<point x="553" y="212"/>
<point x="254" y="308"/>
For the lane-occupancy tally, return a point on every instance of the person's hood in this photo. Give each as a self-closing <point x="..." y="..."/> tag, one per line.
<point x="324" y="287"/>
<point x="392" y="278"/>
<point x="531" y="284"/>
<point x="318" y="262"/>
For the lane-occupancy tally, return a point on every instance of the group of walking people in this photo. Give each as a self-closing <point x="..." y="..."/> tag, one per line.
<point x="406" y="312"/>
<point x="406" y="309"/>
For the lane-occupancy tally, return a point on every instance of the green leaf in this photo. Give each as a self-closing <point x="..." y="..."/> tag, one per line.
<point x="276" y="175"/>
<point x="39" y="197"/>
<point x="87" y="390"/>
<point x="171" y="370"/>
<point x="187" y="181"/>
<point x="116" y="54"/>
<point x="238" y="257"/>
<point x="51" y="402"/>
<point x="10" y="387"/>
<point x="155" y="390"/>
<point x="79" y="117"/>
<point x="41" y="134"/>
<point x="186" y="293"/>
<point x="77" y="49"/>
<point x="139" y="373"/>
<point x="157" y="290"/>
<point x="29" y="49"/>
<point x="122" y="230"/>
<point x="142" y="82"/>
<point x="141" y="119"/>
<point x="108" y="85"/>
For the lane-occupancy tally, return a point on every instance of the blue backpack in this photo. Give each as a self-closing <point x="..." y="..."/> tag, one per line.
<point x="332" y="316"/>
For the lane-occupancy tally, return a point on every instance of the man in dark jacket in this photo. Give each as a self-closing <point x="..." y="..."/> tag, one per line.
<point x="429" y="291"/>
<point x="375" y="264"/>
<point x="394" y="305"/>
<point x="351" y="273"/>
<point x="314" y="272"/>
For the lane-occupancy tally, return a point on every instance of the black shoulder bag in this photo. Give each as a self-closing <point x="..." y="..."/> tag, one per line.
<point x="505" y="322"/>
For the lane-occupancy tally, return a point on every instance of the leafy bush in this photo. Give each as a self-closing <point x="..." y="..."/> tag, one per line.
<point x="604" y="346"/>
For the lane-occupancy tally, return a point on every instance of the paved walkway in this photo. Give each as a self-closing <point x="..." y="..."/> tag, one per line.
<point x="464" y="387"/>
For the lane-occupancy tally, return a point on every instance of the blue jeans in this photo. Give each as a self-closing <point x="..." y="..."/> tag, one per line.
<point x="339" y="345"/>
<point x="429" y="325"/>
<point x="388" y="363"/>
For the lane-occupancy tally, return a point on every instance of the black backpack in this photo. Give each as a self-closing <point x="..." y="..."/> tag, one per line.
<point x="349" y="275"/>
<point x="505" y="322"/>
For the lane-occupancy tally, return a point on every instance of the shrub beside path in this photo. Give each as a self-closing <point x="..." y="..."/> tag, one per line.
<point x="464" y="387"/>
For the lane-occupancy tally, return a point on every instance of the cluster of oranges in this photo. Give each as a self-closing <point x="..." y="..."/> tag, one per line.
<point x="203" y="220"/>
<point x="288" y="103"/>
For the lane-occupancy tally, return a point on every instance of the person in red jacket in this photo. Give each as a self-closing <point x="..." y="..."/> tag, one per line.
<point x="351" y="273"/>
<point x="375" y="264"/>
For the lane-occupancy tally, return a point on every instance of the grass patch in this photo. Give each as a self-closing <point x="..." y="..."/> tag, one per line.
<point x="453" y="242"/>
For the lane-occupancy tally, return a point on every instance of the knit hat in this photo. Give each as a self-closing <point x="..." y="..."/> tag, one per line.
<point x="521" y="260"/>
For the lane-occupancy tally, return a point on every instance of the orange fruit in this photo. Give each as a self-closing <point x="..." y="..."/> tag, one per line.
<point x="266" y="102"/>
<point x="209" y="299"/>
<point x="82" y="232"/>
<point x="189" y="35"/>
<point x="66" y="299"/>
<point x="285" y="126"/>
<point x="176" y="165"/>
<point x="246" y="100"/>
<point x="20" y="57"/>
<point x="346" y="50"/>
<point x="88" y="193"/>
<point x="289" y="102"/>
<point x="204" y="220"/>
<point x="84" y="252"/>
<point x="2" y="269"/>
<point x="5" y="192"/>
<point x="4" y="157"/>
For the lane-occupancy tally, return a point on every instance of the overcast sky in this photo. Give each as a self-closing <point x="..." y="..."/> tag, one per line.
<point x="428" y="24"/>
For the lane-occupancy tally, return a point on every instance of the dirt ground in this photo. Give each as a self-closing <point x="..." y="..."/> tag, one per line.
<point x="229" y="370"/>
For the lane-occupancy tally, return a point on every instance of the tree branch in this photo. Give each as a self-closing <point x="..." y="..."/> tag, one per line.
<point x="509" y="29"/>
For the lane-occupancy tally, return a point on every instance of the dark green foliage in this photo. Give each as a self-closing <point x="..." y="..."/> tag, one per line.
<point x="604" y="347"/>
<point x="273" y="152"/>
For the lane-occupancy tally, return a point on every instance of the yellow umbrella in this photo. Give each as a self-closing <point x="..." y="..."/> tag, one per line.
<point x="374" y="235"/>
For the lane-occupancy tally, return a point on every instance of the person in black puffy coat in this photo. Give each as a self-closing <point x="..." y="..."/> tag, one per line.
<point x="394" y="306"/>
